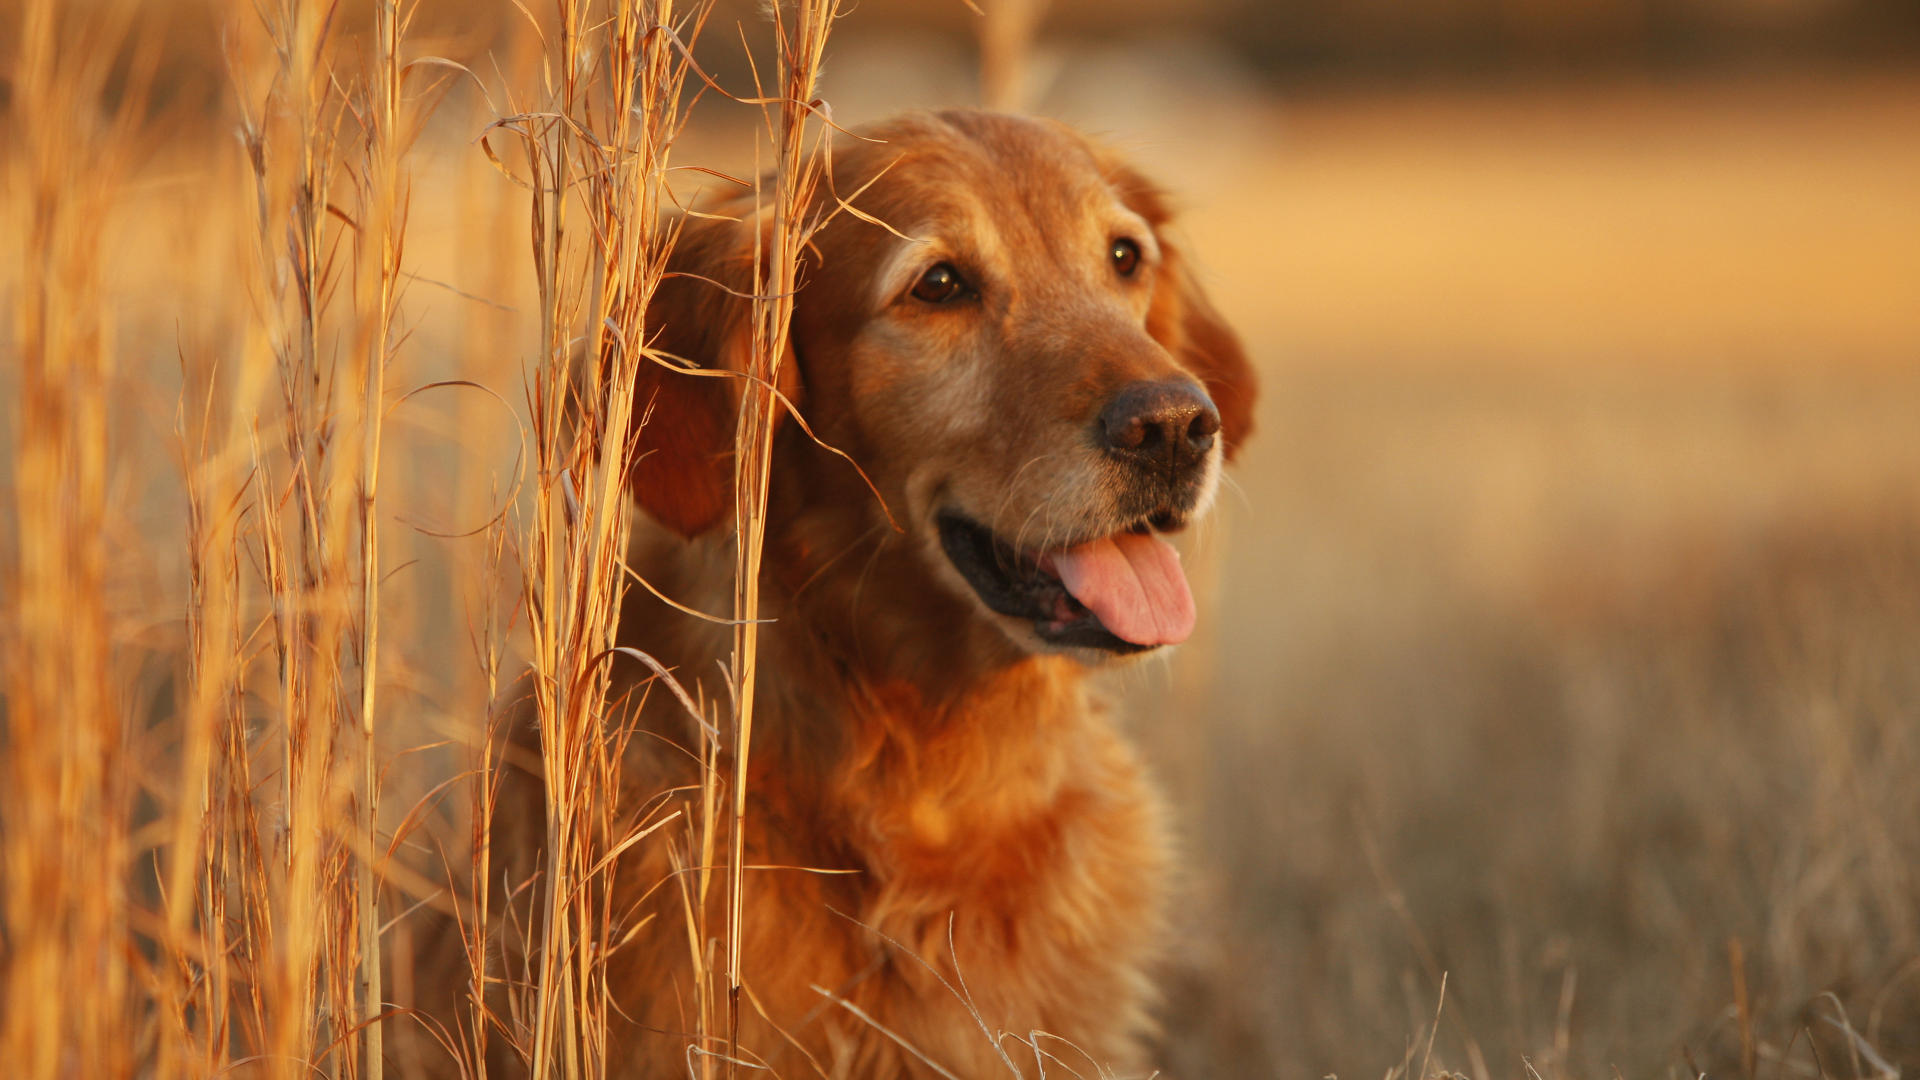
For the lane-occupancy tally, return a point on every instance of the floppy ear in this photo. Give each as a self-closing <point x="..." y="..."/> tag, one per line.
<point x="682" y="467"/>
<point x="1185" y="321"/>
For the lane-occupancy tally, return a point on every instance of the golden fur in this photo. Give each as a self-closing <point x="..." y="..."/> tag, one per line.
<point x="1000" y="834"/>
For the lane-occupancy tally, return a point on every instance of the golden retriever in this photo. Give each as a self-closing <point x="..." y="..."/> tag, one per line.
<point x="1037" y="388"/>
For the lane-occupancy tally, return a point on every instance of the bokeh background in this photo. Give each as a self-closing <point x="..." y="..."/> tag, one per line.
<point x="1562" y="623"/>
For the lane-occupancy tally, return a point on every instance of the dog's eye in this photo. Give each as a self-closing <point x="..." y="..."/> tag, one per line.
<point x="940" y="284"/>
<point x="1126" y="257"/>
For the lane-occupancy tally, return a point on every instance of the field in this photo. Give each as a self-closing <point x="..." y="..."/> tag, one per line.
<point x="1566" y="622"/>
<point x="1561" y="627"/>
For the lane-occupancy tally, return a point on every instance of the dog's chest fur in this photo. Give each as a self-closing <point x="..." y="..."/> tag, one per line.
<point x="992" y="855"/>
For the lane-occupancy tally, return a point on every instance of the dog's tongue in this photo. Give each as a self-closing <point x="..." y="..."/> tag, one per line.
<point x="1133" y="583"/>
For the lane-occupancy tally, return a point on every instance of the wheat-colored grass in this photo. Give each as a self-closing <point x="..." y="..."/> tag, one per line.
<point x="246" y="927"/>
<point x="68" y="764"/>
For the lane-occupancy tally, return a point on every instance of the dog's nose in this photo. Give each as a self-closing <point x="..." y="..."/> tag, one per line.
<point x="1169" y="423"/>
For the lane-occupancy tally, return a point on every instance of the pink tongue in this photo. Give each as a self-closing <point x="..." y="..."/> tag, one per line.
<point x="1132" y="582"/>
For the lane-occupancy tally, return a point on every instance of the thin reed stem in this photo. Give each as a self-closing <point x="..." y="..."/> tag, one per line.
<point x="381" y="237"/>
<point x="801" y="48"/>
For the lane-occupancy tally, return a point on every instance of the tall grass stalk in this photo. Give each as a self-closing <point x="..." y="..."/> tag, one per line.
<point x="597" y="149"/>
<point x="1006" y="31"/>
<point x="303" y="914"/>
<point x="801" y="34"/>
<point x="281" y="932"/>
<point x="68" y="772"/>
<point x="381" y="239"/>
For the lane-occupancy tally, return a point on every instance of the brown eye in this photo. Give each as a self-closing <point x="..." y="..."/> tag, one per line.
<point x="1126" y="257"/>
<point x="940" y="284"/>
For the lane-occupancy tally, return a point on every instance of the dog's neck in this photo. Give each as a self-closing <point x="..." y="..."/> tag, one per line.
<point x="873" y="676"/>
<point x="928" y="737"/>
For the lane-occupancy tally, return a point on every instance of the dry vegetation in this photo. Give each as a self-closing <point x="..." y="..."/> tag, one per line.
<point x="231" y="859"/>
<point x="1568" y="652"/>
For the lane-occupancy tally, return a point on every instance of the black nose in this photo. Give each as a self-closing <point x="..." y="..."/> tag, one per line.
<point x="1169" y="424"/>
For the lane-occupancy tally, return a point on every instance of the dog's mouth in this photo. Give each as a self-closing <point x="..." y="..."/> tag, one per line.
<point x="1121" y="593"/>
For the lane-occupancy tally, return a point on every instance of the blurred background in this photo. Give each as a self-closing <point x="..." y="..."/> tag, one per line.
<point x="1562" y="621"/>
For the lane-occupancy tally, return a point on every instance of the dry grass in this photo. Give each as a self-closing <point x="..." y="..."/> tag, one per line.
<point x="69" y="771"/>
<point x="1520" y="693"/>
<point x="222" y="857"/>
<point x="1565" y="649"/>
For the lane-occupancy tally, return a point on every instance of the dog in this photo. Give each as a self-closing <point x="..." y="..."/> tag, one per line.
<point x="951" y="839"/>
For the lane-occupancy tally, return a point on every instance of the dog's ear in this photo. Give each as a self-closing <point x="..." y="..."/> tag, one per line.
<point x="682" y="467"/>
<point x="1184" y="320"/>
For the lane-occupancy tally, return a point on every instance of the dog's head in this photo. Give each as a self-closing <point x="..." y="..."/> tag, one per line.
<point x="1031" y="377"/>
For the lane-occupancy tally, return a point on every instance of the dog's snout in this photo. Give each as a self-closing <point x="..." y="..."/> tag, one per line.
<point x="1169" y="423"/>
